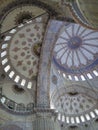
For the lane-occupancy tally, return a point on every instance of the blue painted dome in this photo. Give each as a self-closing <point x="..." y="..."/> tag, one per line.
<point x="76" y="50"/>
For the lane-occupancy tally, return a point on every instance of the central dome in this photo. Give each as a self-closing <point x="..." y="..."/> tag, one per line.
<point x="76" y="50"/>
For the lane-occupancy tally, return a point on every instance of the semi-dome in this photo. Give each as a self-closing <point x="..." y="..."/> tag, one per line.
<point x="21" y="50"/>
<point x="74" y="104"/>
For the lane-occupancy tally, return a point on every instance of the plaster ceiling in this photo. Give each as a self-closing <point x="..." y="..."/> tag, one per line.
<point x="14" y="49"/>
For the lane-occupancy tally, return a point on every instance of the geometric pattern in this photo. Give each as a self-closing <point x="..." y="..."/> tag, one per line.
<point x="76" y="51"/>
<point x="21" y="49"/>
<point x="44" y="72"/>
<point x="73" y="102"/>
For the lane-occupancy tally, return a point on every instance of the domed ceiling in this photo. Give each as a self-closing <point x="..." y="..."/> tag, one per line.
<point x="21" y="50"/>
<point x="73" y="102"/>
<point x="15" y="99"/>
<point x="18" y="15"/>
<point x="76" y="52"/>
<point x="69" y="51"/>
<point x="18" y="94"/>
<point x="74" y="56"/>
<point x="84" y="12"/>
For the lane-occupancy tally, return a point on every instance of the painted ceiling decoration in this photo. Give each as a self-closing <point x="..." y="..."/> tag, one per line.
<point x="46" y="54"/>
<point x="84" y="12"/>
<point x="41" y="58"/>
<point x="20" y="15"/>
<point x="75" y="104"/>
<point x="76" y="52"/>
<point x="18" y="11"/>
<point x="21" y="50"/>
